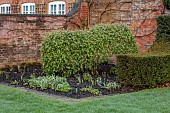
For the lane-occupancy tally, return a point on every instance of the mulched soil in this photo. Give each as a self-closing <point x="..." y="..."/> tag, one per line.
<point x="18" y="75"/>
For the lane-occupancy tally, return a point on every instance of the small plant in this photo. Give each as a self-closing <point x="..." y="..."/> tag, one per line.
<point x="79" y="78"/>
<point x="99" y="81"/>
<point x="49" y="82"/>
<point x="14" y="82"/>
<point x="87" y="77"/>
<point x="112" y="86"/>
<point x="64" y="87"/>
<point x="32" y="76"/>
<point x="2" y="72"/>
<point x="7" y="77"/>
<point x="91" y="90"/>
<point x="12" y="69"/>
<point x="19" y="68"/>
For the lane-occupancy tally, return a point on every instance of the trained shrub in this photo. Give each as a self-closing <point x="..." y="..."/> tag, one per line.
<point x="163" y="33"/>
<point x="67" y="52"/>
<point x="114" y="39"/>
<point x="143" y="70"/>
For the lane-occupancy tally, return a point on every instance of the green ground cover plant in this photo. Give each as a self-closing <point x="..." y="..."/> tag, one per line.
<point x="49" y="82"/>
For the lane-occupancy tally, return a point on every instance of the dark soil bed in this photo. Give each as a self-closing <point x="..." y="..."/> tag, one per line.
<point x="18" y="75"/>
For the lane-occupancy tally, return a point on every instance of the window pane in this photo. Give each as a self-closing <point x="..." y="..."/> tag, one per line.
<point x="51" y="9"/>
<point x="3" y="10"/>
<point x="26" y="8"/>
<point x="59" y="12"/>
<point x="55" y="7"/>
<point x="63" y="7"/>
<point x="59" y="6"/>
<point x="31" y="8"/>
<point x="9" y="9"/>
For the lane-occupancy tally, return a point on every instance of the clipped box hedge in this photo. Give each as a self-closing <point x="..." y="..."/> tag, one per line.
<point x="143" y="70"/>
<point x="66" y="53"/>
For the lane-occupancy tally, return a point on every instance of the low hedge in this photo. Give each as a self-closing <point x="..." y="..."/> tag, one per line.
<point x="66" y="53"/>
<point x="143" y="70"/>
<point x="163" y="33"/>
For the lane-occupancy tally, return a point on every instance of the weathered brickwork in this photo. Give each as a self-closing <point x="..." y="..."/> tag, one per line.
<point x="21" y="35"/>
<point x="140" y="15"/>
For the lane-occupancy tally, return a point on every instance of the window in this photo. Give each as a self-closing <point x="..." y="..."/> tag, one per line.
<point x="57" y="8"/>
<point x="28" y="8"/>
<point x="40" y="8"/>
<point x="5" y="9"/>
<point x="70" y="6"/>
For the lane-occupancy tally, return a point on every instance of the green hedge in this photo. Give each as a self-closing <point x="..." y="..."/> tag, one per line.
<point x="143" y="70"/>
<point x="167" y="3"/>
<point x="67" y="52"/>
<point x="163" y="33"/>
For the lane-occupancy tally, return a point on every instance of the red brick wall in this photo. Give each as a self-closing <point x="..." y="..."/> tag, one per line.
<point x="5" y="1"/>
<point x="21" y="35"/>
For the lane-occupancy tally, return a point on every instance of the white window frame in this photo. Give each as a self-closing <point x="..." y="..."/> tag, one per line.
<point x="28" y="8"/>
<point x="57" y="8"/>
<point x="5" y="9"/>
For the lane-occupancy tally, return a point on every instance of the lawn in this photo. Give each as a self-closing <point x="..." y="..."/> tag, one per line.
<point x="146" y="101"/>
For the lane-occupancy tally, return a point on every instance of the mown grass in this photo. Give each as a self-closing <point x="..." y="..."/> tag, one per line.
<point x="146" y="101"/>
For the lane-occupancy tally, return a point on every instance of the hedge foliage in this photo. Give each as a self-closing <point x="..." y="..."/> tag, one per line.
<point x="167" y="3"/>
<point x="143" y="70"/>
<point x="163" y="33"/>
<point x="67" y="52"/>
